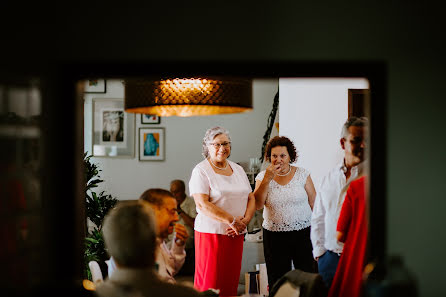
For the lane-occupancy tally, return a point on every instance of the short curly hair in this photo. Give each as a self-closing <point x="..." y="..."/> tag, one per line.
<point x="281" y="141"/>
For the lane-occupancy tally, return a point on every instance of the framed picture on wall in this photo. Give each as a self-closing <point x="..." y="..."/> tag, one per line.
<point x="113" y="129"/>
<point x="151" y="144"/>
<point x="95" y="86"/>
<point x="150" y="119"/>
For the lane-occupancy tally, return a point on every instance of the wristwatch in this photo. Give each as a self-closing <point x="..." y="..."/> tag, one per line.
<point x="179" y="241"/>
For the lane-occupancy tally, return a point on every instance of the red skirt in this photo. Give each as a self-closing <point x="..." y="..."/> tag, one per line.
<point x="218" y="261"/>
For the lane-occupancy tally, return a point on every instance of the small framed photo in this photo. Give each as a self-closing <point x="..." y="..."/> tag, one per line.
<point x="150" y="119"/>
<point x="151" y="144"/>
<point x="95" y="86"/>
<point x="113" y="129"/>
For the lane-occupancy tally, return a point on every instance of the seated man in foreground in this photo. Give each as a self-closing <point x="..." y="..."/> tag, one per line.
<point x="168" y="261"/>
<point x="131" y="240"/>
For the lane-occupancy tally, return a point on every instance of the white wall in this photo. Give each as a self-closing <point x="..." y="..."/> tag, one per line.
<point x="312" y="112"/>
<point x="127" y="178"/>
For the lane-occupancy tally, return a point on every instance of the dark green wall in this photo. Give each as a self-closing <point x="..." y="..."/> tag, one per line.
<point x="406" y="37"/>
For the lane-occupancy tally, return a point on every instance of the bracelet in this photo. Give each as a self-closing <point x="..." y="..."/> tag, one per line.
<point x="233" y="222"/>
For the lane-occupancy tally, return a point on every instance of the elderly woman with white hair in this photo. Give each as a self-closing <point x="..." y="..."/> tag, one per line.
<point x="225" y="205"/>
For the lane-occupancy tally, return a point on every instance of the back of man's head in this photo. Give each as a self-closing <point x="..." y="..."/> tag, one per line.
<point x="179" y="184"/>
<point x="129" y="234"/>
<point x="156" y="196"/>
<point x="178" y="189"/>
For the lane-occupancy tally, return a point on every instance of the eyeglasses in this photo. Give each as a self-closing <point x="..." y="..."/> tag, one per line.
<point x="171" y="211"/>
<point x="218" y="145"/>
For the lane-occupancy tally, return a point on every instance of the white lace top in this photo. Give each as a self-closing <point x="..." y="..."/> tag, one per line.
<point x="286" y="207"/>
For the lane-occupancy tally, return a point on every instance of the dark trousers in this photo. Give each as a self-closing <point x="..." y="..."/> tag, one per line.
<point x="327" y="265"/>
<point x="280" y="248"/>
<point x="188" y="267"/>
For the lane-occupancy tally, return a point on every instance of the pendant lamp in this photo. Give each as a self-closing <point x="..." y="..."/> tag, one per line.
<point x="188" y="96"/>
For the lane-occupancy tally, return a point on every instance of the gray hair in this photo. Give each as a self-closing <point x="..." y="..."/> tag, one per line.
<point x="211" y="133"/>
<point x="355" y="122"/>
<point x="129" y="234"/>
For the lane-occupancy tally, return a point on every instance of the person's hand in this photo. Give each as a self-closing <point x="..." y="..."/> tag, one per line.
<point x="239" y="224"/>
<point x="231" y="232"/>
<point x="317" y="258"/>
<point x="246" y="221"/>
<point x="271" y="171"/>
<point x="237" y="228"/>
<point x="180" y="234"/>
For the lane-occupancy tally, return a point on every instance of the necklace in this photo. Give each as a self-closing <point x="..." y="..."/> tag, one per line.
<point x="285" y="173"/>
<point x="217" y="166"/>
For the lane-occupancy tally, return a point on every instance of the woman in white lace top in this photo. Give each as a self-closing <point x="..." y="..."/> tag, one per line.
<point x="287" y="195"/>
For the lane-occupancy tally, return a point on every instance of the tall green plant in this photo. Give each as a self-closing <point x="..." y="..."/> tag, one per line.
<point x="271" y="118"/>
<point x="97" y="206"/>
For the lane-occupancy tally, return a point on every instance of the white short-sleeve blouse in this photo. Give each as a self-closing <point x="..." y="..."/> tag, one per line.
<point x="227" y="192"/>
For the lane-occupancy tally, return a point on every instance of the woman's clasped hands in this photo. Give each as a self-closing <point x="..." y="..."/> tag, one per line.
<point x="237" y="227"/>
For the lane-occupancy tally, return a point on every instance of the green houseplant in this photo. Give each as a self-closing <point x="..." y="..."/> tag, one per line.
<point x="97" y="206"/>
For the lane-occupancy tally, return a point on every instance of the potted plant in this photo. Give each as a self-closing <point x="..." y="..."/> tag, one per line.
<point x="97" y="206"/>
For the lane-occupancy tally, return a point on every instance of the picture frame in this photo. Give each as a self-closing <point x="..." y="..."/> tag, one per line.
<point x="113" y="129"/>
<point x="95" y="86"/>
<point x="150" y="119"/>
<point x="152" y="144"/>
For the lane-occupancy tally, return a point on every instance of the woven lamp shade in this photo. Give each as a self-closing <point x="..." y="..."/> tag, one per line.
<point x="188" y="96"/>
